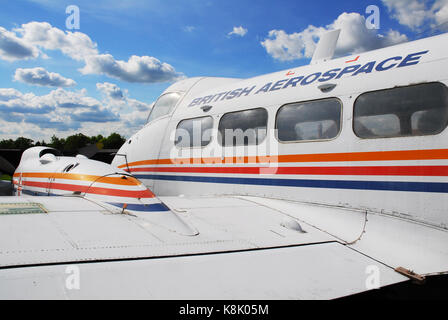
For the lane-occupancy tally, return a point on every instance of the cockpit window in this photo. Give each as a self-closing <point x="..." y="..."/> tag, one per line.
<point x="164" y="105"/>
<point x="55" y="152"/>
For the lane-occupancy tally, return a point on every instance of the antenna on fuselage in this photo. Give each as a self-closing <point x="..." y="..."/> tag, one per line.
<point x="326" y="47"/>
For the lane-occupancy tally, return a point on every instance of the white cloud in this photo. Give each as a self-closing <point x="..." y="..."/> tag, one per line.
<point x="189" y="28"/>
<point x="76" y="45"/>
<point x="13" y="48"/>
<point x="8" y="94"/>
<point x="354" y="38"/>
<point x="112" y="91"/>
<point x="41" y="77"/>
<point x="37" y="36"/>
<point x="60" y="110"/>
<point x="139" y="106"/>
<point x="411" y="13"/>
<point x="238" y="31"/>
<point x="287" y="47"/>
<point x="440" y="9"/>
<point x="119" y="100"/>
<point x="137" y="69"/>
<point x="65" y="111"/>
<point x="133" y="113"/>
<point x="418" y="13"/>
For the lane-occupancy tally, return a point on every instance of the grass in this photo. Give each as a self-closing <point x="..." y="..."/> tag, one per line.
<point x="5" y="177"/>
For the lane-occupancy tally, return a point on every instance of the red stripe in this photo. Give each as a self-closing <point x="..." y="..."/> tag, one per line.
<point x="353" y="171"/>
<point x="92" y="190"/>
<point x="431" y="154"/>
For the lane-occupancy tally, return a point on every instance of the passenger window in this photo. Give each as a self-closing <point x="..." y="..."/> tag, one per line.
<point x="308" y="121"/>
<point x="407" y="111"/>
<point x="194" y="132"/>
<point x="164" y="105"/>
<point x="243" y="128"/>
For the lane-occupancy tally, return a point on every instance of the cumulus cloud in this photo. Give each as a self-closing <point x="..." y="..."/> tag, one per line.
<point x="354" y="38"/>
<point x="287" y="47"/>
<point x="133" y="113"/>
<point x="238" y="31"/>
<point x="408" y="12"/>
<point x="41" y="77"/>
<point x="418" y="13"/>
<point x="76" y="45"/>
<point x="137" y="69"/>
<point x="60" y="109"/>
<point x="112" y="91"/>
<point x="118" y="99"/>
<point x="13" y="48"/>
<point x="135" y="119"/>
<point x="440" y="10"/>
<point x="31" y="38"/>
<point x="7" y="94"/>
<point x="139" y="106"/>
<point x="14" y="102"/>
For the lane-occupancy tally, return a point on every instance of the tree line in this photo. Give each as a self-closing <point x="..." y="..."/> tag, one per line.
<point x="69" y="145"/>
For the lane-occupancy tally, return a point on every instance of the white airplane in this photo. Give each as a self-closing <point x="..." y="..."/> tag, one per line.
<point x="318" y="182"/>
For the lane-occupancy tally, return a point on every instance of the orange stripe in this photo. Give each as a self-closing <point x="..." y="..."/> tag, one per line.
<point x="436" y="154"/>
<point x="129" y="181"/>
<point x="146" y="193"/>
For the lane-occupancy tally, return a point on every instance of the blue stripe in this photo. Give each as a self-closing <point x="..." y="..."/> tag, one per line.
<point x="134" y="207"/>
<point x="142" y="207"/>
<point x="435" y="187"/>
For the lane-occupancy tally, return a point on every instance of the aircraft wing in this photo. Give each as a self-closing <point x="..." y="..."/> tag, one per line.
<point x="222" y="248"/>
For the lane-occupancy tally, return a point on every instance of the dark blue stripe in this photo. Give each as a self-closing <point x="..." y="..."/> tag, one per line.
<point x="325" y="184"/>
<point x="143" y="207"/>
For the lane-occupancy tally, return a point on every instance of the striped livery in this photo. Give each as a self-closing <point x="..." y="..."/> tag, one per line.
<point x="43" y="174"/>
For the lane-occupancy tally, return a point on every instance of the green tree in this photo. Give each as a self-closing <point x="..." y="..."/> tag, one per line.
<point x="113" y="141"/>
<point x="70" y="145"/>
<point x="96" y="139"/>
<point x="75" y="142"/>
<point x="57" y="143"/>
<point x="7" y="144"/>
<point x="23" y="143"/>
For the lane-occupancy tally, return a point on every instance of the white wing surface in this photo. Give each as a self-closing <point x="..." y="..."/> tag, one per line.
<point x="241" y="248"/>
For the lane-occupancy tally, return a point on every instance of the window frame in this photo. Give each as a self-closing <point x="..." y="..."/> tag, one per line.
<point x="237" y="111"/>
<point x="309" y="101"/>
<point x="195" y="147"/>
<point x="391" y="88"/>
<point x="167" y="114"/>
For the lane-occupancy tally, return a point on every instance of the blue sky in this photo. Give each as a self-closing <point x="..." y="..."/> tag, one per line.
<point x="104" y="76"/>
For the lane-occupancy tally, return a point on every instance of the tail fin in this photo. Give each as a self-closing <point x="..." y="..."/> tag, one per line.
<point x="326" y="47"/>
